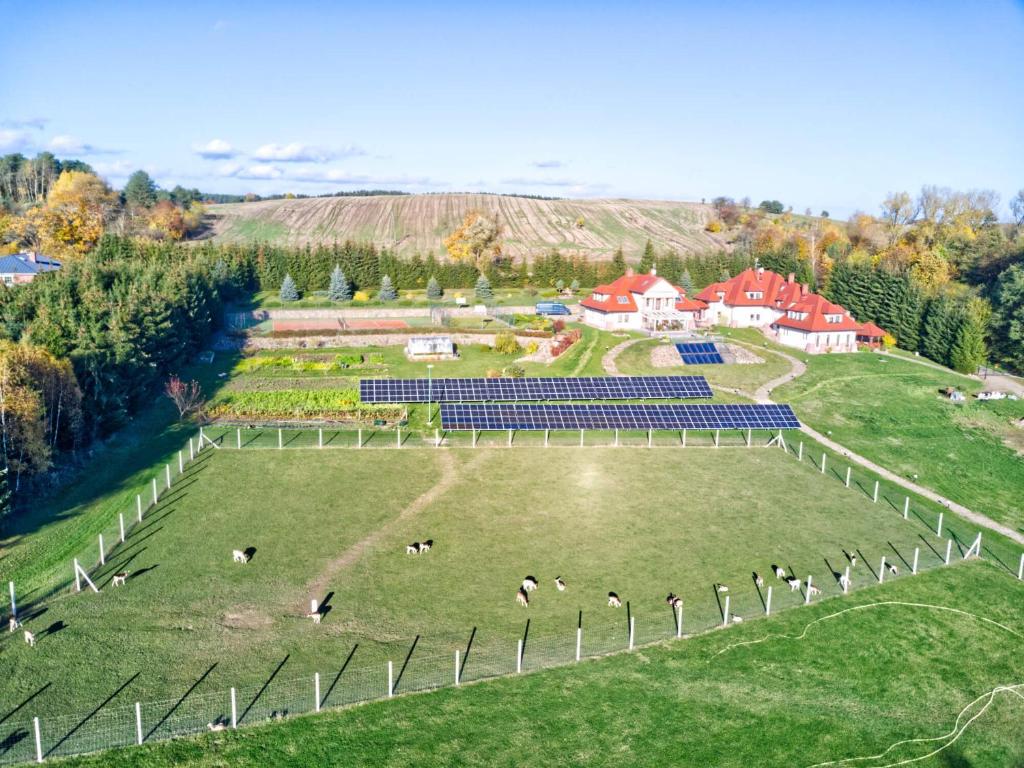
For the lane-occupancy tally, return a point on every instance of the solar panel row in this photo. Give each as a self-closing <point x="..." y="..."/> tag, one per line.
<point x="675" y="417"/>
<point x="699" y="353"/>
<point x="543" y="388"/>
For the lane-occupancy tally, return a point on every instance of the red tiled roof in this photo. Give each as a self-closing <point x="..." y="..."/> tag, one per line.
<point x="689" y="305"/>
<point x="870" y="330"/>
<point x="816" y="308"/>
<point x="776" y="291"/>
<point x="711" y="292"/>
<point x="624" y="287"/>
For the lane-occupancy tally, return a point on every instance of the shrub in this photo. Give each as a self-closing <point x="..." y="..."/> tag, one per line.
<point x="713" y="226"/>
<point x="375" y="358"/>
<point x="559" y="284"/>
<point x="289" y="291"/>
<point x="483" y="289"/>
<point x="387" y="289"/>
<point x="574" y="285"/>
<point x="558" y="325"/>
<point x="513" y="371"/>
<point x="361" y="296"/>
<point x="505" y="343"/>
<point x="348" y="359"/>
<point x="889" y="341"/>
<point x="434" y="290"/>
<point x="531" y="348"/>
<point x="493" y="373"/>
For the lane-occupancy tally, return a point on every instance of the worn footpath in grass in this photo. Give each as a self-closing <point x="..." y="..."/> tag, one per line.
<point x="853" y="686"/>
<point x="892" y="412"/>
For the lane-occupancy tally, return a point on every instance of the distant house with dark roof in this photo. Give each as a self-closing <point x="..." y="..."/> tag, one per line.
<point x="21" y="268"/>
<point x="641" y="302"/>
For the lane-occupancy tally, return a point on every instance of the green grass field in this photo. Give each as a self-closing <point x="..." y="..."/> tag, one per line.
<point x="852" y="687"/>
<point x="891" y="411"/>
<point x="503" y="297"/>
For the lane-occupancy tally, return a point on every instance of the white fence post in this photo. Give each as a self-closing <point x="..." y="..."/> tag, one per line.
<point x="234" y="709"/>
<point x="846" y="581"/>
<point x="120" y="520"/>
<point x="616" y="437"/>
<point x="280" y="439"/>
<point x="716" y="438"/>
<point x="917" y="552"/>
<point x="632" y="629"/>
<point x="768" y="603"/>
<point x="156" y="497"/>
<point x="684" y="438"/>
<point x="874" y="496"/>
<point x="749" y="438"/>
<point x="581" y="438"/>
<point x="823" y="457"/>
<point x="391" y="679"/>
<point x="547" y="432"/>
<point x="510" y="438"/>
<point x="848" y="469"/>
<point x="949" y="549"/>
<point x="437" y="437"/>
<point x="39" y="740"/>
<point x="457" y="667"/>
<point x="881" y="571"/>
<point x="725" y="612"/>
<point x="398" y="436"/>
<point x="807" y="598"/>
<point x="359" y="438"/>
<point x="906" y="507"/>
<point x="138" y="505"/>
<point x="679" y="619"/>
<point x="167" y="474"/>
<point x="14" y="607"/>
<point x="316" y="691"/>
<point x="78" y="578"/>
<point x="320" y="438"/>
<point x="800" y="452"/>
<point x="519" y="655"/>
<point x="138" y="722"/>
<point x="191" y="451"/>
<point x="181" y="463"/>
<point x="103" y="554"/>
<point x="1020" y="568"/>
<point x="238" y="438"/>
<point x="938" y="528"/>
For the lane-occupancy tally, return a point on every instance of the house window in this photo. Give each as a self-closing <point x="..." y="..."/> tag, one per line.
<point x="8" y="279"/>
<point x="755" y="294"/>
<point x="622" y="299"/>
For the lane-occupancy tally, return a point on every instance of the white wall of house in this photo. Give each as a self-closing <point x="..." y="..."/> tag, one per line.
<point x="818" y="341"/>
<point x="611" y="321"/>
<point x="748" y="317"/>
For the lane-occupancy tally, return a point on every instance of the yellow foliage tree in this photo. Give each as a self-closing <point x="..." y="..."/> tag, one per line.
<point x="71" y="222"/>
<point x="930" y="269"/>
<point x="166" y="221"/>
<point x="476" y="239"/>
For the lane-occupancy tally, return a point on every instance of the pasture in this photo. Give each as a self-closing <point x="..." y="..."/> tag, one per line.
<point x="333" y="525"/>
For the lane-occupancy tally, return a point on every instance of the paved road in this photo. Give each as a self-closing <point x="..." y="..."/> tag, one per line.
<point x="797" y="368"/>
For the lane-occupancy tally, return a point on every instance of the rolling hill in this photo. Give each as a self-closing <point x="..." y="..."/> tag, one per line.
<point x="418" y="223"/>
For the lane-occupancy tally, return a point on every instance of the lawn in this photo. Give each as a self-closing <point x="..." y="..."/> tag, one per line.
<point x="503" y="297"/>
<point x="891" y="411"/>
<point x="853" y="686"/>
<point x="333" y="526"/>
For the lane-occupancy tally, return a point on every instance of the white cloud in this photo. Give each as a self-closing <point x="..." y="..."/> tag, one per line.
<point x="69" y="145"/>
<point x="215" y="149"/>
<point x="14" y="140"/>
<point x="527" y="182"/>
<point x="547" y="164"/>
<point x="297" y="152"/>
<point x="261" y="171"/>
<point x="117" y="169"/>
<point x="38" y="123"/>
<point x="269" y="171"/>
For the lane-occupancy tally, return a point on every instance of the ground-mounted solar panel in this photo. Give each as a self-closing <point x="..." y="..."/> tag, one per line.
<point x="455" y="416"/>
<point x="699" y="353"/>
<point x="537" y="388"/>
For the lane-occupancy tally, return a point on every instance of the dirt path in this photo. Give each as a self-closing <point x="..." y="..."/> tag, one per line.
<point x="608" y="361"/>
<point x="798" y="368"/>
<point x="450" y="475"/>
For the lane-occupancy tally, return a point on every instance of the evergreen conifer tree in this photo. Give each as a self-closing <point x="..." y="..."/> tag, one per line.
<point x="289" y="291"/>
<point x="483" y="288"/>
<point x="387" y="289"/>
<point x="434" y="291"/>
<point x="617" y="268"/>
<point x="339" y="289"/>
<point x="647" y="260"/>
<point x="686" y="283"/>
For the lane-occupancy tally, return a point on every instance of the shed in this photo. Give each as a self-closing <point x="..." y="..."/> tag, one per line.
<point x="420" y="347"/>
<point x="870" y="334"/>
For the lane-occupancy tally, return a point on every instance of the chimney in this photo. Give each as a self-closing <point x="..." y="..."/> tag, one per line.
<point x="654" y="271"/>
<point x="760" y="272"/>
<point x="791" y="278"/>
<point x="804" y="289"/>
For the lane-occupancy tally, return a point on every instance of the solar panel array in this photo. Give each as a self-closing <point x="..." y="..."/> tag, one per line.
<point x="542" y="388"/>
<point x="621" y="416"/>
<point x="699" y="353"/>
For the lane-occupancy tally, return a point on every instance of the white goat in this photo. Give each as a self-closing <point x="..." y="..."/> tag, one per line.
<point x="315" y="616"/>
<point x="758" y="580"/>
<point x="216" y="726"/>
<point x="813" y="590"/>
<point x="239" y="556"/>
<point x="426" y="545"/>
<point x="522" y="598"/>
<point x="529" y="584"/>
<point x="13" y="624"/>
<point x="794" y="584"/>
<point x="30" y="639"/>
<point x="893" y="569"/>
<point x="780" y="573"/>
<point x="721" y="588"/>
<point x="845" y="583"/>
<point x="412" y="549"/>
<point x="119" y="579"/>
<point x="613" y="600"/>
<point x="559" y="584"/>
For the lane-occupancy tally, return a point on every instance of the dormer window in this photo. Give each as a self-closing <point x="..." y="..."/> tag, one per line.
<point x="755" y="294"/>
<point x="622" y="299"/>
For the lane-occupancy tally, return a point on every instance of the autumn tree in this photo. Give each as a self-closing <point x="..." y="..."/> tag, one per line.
<point x="71" y="222"/>
<point x="898" y="211"/>
<point x="166" y="221"/>
<point x="475" y="240"/>
<point x="186" y="396"/>
<point x="1017" y="208"/>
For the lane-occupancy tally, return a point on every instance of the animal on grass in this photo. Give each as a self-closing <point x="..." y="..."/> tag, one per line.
<point x="315" y="616"/>
<point x="216" y="726"/>
<point x="30" y="639"/>
<point x="674" y="600"/>
<point x="737" y="619"/>
<point x="239" y="556"/>
<point x="559" y="584"/>
<point x="119" y="579"/>
<point x="852" y="557"/>
<point x="613" y="600"/>
<point x="813" y="590"/>
<point x="426" y="545"/>
<point x="780" y="573"/>
<point x="794" y="584"/>
<point x="757" y="579"/>
<point x="412" y="549"/>
<point x="844" y="582"/>
<point x="522" y="598"/>
<point x="721" y="587"/>
<point x="893" y="569"/>
<point x="529" y="584"/>
<point x="13" y="624"/>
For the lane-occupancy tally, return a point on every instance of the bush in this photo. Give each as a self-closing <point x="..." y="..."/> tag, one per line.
<point x="505" y="343"/>
<point x="532" y="348"/>
<point x="493" y="373"/>
<point x="375" y="358"/>
<point x="483" y="289"/>
<point x="713" y="226"/>
<point x="361" y="296"/>
<point x="434" y="290"/>
<point x="558" y="325"/>
<point x="339" y="289"/>
<point x="513" y="371"/>
<point x="348" y="359"/>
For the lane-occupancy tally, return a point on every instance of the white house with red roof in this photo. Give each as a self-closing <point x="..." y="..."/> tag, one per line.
<point x="642" y="302"/>
<point x="783" y="308"/>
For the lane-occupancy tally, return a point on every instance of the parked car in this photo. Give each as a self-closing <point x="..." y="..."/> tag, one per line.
<point x="552" y="308"/>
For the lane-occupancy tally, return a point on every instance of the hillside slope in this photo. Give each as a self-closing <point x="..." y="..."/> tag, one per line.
<point x="418" y="223"/>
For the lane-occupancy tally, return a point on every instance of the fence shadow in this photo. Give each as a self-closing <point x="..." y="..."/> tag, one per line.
<point x="906" y="563"/>
<point x="266" y="685"/>
<point x="337" y="677"/>
<point x="405" y="663"/>
<point x="180" y="701"/>
<point x="92" y="714"/>
<point x="31" y="696"/>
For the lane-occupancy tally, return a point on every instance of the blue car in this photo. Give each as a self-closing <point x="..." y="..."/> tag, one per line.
<point x="552" y="308"/>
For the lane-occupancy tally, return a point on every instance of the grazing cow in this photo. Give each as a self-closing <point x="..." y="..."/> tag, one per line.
<point x="426" y="545"/>
<point x="529" y="584"/>
<point x="794" y="584"/>
<point x="559" y="584"/>
<point x="412" y="549"/>
<point x="239" y="556"/>
<point x="315" y="616"/>
<point x="613" y="600"/>
<point x="522" y="598"/>
<point x="779" y="572"/>
<point x="721" y="588"/>
<point x="119" y="579"/>
<point x="30" y="639"/>
<point x="893" y="569"/>
<point x="757" y="579"/>
<point x="216" y="726"/>
<point x="844" y="582"/>
<point x="13" y="624"/>
<point x="813" y="590"/>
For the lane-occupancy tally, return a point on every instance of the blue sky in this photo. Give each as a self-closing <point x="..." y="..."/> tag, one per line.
<point x="822" y="105"/>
